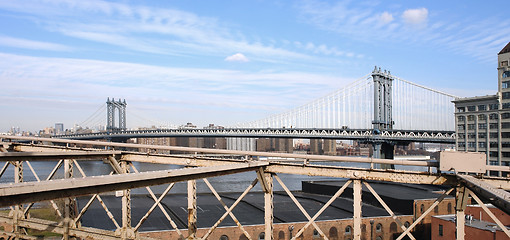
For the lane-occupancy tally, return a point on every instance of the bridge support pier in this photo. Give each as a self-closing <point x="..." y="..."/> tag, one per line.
<point x="384" y="150"/>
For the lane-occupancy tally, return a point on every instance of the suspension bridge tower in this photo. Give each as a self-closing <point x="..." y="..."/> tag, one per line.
<point x="113" y="107"/>
<point x="382" y="112"/>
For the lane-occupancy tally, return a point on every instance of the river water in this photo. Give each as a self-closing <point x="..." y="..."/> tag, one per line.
<point x="229" y="183"/>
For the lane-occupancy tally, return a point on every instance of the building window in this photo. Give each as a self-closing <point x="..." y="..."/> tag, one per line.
<point x="393" y="227"/>
<point x="471" y="108"/>
<point x="461" y="118"/>
<point x="243" y="237"/>
<point x="493" y="115"/>
<point x="461" y="135"/>
<point x="482" y="126"/>
<point x="505" y="105"/>
<point x="505" y="84"/>
<point x="471" y="127"/>
<point x="471" y="136"/>
<point x="493" y="135"/>
<point x="436" y="209"/>
<point x="506" y="95"/>
<point x="505" y="154"/>
<point x="471" y="117"/>
<point x="378" y="227"/>
<point x="482" y="107"/>
<point x="449" y="208"/>
<point x="504" y="63"/>
<point x="505" y="144"/>
<point x="224" y="237"/>
<point x="262" y="236"/>
<point x="471" y="144"/>
<point x="461" y="109"/>
<point x="494" y="144"/>
<point x="462" y="145"/>
<point x="482" y="116"/>
<point x="493" y="154"/>
<point x="333" y="233"/>
<point x="505" y="134"/>
<point x="316" y="233"/>
<point x="440" y="230"/>
<point x="281" y="235"/>
<point x="493" y="125"/>
<point x="348" y="230"/>
<point x="505" y="115"/>
<point x="506" y="74"/>
<point x="461" y="127"/>
<point x="482" y="144"/>
<point x="505" y="125"/>
<point x="482" y="135"/>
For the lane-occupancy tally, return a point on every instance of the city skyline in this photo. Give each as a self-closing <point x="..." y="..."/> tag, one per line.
<point x="230" y="62"/>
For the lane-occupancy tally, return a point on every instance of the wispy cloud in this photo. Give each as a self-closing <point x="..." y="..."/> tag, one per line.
<point x="238" y="57"/>
<point x="31" y="44"/>
<point x="154" y="30"/>
<point x="415" y="16"/>
<point x="84" y="80"/>
<point x="478" y="38"/>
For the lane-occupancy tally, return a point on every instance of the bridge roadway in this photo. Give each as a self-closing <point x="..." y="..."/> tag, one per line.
<point x="368" y="135"/>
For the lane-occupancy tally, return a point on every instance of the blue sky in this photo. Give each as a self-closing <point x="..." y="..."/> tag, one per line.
<point x="226" y="62"/>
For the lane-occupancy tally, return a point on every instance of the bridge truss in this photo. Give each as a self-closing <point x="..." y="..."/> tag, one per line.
<point x="20" y="196"/>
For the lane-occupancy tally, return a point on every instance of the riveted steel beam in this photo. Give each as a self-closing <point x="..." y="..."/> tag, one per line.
<point x="11" y="194"/>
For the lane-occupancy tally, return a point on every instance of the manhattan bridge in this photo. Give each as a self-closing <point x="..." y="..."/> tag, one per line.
<point x="379" y="109"/>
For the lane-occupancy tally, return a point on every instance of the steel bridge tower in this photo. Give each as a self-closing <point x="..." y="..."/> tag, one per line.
<point x="112" y="107"/>
<point x="382" y="112"/>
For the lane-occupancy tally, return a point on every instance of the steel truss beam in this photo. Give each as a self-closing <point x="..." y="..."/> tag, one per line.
<point x="82" y="232"/>
<point x="52" y="156"/>
<point x="47" y="190"/>
<point x="497" y="197"/>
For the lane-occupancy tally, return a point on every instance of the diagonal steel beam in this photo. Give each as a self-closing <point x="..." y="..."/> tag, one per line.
<point x="388" y="209"/>
<point x="95" y="196"/>
<point x="436" y="202"/>
<point x="17" y="193"/>
<point x="215" y="193"/>
<point x="496" y="220"/>
<point x="300" y="208"/>
<point x="229" y="210"/>
<point x="172" y="223"/>
<point x="331" y="200"/>
<point x="53" y="204"/>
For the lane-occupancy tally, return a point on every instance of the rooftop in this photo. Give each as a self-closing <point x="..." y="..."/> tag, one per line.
<point x="505" y="49"/>
<point x="475" y="223"/>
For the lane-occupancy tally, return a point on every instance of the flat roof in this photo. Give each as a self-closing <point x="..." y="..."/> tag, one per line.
<point x="475" y="223"/>
<point x="476" y="98"/>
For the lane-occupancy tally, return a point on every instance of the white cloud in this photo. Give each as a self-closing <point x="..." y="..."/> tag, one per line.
<point x="386" y="17"/>
<point x="238" y="57"/>
<point x="30" y="44"/>
<point x="415" y="16"/>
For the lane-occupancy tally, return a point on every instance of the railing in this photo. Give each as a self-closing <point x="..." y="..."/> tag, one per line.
<point x="20" y="152"/>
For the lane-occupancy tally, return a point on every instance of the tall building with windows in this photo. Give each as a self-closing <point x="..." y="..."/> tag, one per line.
<point x="483" y="123"/>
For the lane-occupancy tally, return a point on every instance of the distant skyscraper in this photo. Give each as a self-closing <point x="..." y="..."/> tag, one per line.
<point x="59" y="128"/>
